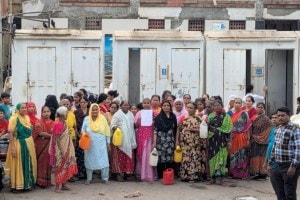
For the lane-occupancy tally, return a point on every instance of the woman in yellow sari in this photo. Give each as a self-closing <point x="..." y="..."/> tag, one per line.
<point x="21" y="157"/>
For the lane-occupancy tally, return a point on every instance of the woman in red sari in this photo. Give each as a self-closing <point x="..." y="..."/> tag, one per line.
<point x="239" y="156"/>
<point x="42" y="134"/>
<point x="249" y="108"/>
<point x="31" y="112"/>
<point x="102" y="102"/>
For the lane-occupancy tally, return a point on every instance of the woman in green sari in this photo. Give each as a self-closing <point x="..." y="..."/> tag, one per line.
<point x="21" y="157"/>
<point x="219" y="128"/>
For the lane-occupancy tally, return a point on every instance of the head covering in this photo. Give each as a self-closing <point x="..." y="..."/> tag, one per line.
<point x="32" y="115"/>
<point x="100" y="124"/>
<point x="230" y="98"/>
<point x="24" y="119"/>
<point x="182" y="114"/>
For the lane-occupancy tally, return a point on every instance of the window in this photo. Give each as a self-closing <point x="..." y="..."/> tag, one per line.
<point x="156" y="24"/>
<point x="93" y="23"/>
<point x="237" y="25"/>
<point x="196" y="25"/>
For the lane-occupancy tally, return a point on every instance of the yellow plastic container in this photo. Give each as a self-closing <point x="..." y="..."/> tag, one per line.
<point x="117" y="137"/>
<point x="178" y="154"/>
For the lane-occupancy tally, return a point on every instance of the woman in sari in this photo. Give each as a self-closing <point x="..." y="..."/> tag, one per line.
<point x="21" y="157"/>
<point x="123" y="157"/>
<point x="219" y="127"/>
<point x="261" y="128"/>
<point x="80" y="114"/>
<point x="165" y="126"/>
<point x="31" y="112"/>
<point x="239" y="146"/>
<point x="113" y="108"/>
<point x="252" y="112"/>
<point x="96" y="157"/>
<point x="62" y="153"/>
<point x="193" y="164"/>
<point x="144" y="143"/>
<point x="42" y="134"/>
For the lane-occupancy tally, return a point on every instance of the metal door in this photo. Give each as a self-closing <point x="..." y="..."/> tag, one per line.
<point x="276" y="80"/>
<point x="234" y="72"/>
<point x="147" y="73"/>
<point x="85" y="71"/>
<point x="41" y="70"/>
<point x="185" y="72"/>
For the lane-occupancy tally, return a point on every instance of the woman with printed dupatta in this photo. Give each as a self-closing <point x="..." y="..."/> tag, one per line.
<point x="239" y="146"/>
<point x="62" y="153"/>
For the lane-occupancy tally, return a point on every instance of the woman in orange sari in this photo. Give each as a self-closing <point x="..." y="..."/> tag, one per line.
<point x="260" y="131"/>
<point x="239" y="160"/>
<point x="42" y="134"/>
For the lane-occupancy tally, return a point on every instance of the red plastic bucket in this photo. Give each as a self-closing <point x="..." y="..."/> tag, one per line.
<point x="168" y="176"/>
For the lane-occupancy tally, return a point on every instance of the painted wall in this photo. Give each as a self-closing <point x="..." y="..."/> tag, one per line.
<point x="164" y="58"/>
<point x="214" y="62"/>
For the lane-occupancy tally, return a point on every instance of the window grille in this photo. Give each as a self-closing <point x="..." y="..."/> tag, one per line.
<point x="93" y="23"/>
<point x="196" y="25"/>
<point x="156" y="24"/>
<point x="237" y="25"/>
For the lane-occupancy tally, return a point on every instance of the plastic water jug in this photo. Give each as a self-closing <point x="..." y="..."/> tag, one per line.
<point x="168" y="176"/>
<point x="178" y="154"/>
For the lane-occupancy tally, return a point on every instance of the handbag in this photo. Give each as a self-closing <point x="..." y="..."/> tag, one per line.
<point x="203" y="130"/>
<point x="85" y="141"/>
<point x="153" y="159"/>
<point x="117" y="137"/>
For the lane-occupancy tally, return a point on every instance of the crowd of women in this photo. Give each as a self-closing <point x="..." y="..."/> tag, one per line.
<point x="45" y="149"/>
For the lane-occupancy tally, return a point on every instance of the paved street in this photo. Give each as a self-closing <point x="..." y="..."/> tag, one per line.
<point x="180" y="190"/>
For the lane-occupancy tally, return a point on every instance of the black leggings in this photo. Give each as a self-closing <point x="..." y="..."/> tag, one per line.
<point x="162" y="166"/>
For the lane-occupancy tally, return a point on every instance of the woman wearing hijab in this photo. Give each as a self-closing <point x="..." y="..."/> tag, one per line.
<point x="31" y="112"/>
<point x="21" y="157"/>
<point x="42" y="133"/>
<point x="96" y="157"/>
<point x="122" y="157"/>
<point x="165" y="126"/>
<point x="62" y="153"/>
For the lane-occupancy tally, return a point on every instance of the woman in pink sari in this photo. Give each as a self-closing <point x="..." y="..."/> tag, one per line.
<point x="144" y="143"/>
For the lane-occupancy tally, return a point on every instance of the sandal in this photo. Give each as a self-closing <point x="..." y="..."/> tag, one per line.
<point x="87" y="182"/>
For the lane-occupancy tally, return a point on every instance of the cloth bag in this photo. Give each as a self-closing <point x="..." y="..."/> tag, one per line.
<point x="178" y="154"/>
<point x="153" y="159"/>
<point x="203" y="130"/>
<point x="85" y="141"/>
<point x="117" y="137"/>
